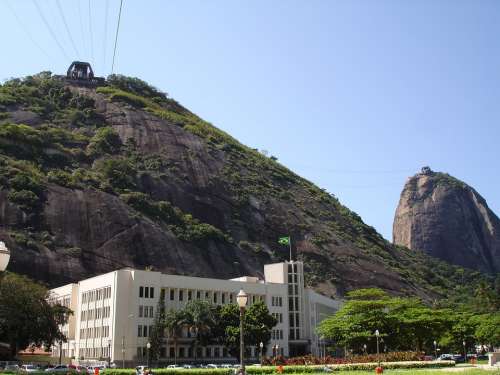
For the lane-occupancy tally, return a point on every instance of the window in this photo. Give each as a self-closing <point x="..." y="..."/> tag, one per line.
<point x="145" y="331"/>
<point x="215" y="297"/>
<point x="231" y="298"/>
<point x="198" y="294"/>
<point x="181" y="295"/>
<point x="152" y="292"/>
<point x="172" y="295"/>
<point x="223" y="298"/>
<point x="141" y="292"/>
<point x="146" y="292"/>
<point x="190" y="295"/>
<point x="151" y="314"/>
<point x="139" y="330"/>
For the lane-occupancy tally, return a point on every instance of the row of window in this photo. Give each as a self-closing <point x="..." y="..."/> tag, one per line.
<point x="94" y="332"/>
<point x="97" y="313"/>
<point x="96" y="294"/>
<point x="276" y="301"/>
<point x="278" y="317"/>
<point x="277" y="334"/>
<point x="94" y="352"/>
<point x="146" y="292"/>
<point x="146" y="311"/>
<point x="144" y="331"/>
<point x="213" y="296"/>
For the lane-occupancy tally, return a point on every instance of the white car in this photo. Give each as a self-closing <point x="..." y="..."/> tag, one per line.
<point x="28" y="368"/>
<point x="173" y="366"/>
<point x="139" y="370"/>
<point x="211" y="365"/>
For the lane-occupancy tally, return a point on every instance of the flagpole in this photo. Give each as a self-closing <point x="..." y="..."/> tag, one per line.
<point x="290" y="244"/>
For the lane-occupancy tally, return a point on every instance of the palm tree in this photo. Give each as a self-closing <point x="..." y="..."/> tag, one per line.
<point x="200" y="318"/>
<point x="173" y="323"/>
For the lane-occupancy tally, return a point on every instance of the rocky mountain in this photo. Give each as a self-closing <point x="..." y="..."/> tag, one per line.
<point x="448" y="219"/>
<point x="95" y="179"/>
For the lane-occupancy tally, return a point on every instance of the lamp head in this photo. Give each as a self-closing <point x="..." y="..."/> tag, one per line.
<point x="148" y="345"/>
<point x="377" y="333"/>
<point x="261" y="344"/>
<point x="242" y="298"/>
<point x="4" y="256"/>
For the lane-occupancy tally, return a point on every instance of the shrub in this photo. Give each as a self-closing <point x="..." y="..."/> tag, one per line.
<point x="120" y="173"/>
<point x="25" y="199"/>
<point x="105" y="141"/>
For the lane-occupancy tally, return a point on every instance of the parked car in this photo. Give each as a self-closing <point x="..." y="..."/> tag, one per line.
<point x="211" y="365"/>
<point x="28" y="368"/>
<point x="187" y="367"/>
<point x="226" y="365"/>
<point x="58" y="368"/>
<point x="140" y="370"/>
<point x="446" y="357"/>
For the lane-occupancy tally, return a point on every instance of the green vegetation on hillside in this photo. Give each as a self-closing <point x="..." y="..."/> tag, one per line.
<point x="71" y="145"/>
<point x="75" y="149"/>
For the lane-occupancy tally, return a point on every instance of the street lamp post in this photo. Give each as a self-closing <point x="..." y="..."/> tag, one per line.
<point x="109" y="353"/>
<point x="465" y="351"/>
<point x="377" y="334"/>
<point x="148" y="346"/>
<point x="261" y="346"/>
<point x="242" y="298"/>
<point x="435" y="350"/>
<point x="364" y="348"/>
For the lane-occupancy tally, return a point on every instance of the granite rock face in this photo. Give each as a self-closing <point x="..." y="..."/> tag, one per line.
<point x="448" y="219"/>
<point x="86" y="221"/>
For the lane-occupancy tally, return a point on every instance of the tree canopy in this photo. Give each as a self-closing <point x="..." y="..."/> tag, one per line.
<point x="26" y="316"/>
<point x="407" y="323"/>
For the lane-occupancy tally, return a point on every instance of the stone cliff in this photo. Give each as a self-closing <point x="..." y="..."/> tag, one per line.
<point x="92" y="180"/>
<point x="448" y="219"/>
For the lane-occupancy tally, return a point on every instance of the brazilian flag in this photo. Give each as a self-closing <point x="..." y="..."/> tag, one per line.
<point x="284" y="241"/>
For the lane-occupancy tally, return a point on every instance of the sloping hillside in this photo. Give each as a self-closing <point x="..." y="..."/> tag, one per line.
<point x="94" y="180"/>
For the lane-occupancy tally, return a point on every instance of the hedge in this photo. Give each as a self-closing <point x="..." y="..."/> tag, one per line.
<point x="255" y="370"/>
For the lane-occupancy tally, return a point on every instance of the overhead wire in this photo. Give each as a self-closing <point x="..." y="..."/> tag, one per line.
<point x="61" y="13"/>
<point x="90" y="35"/>
<point x="27" y="32"/>
<point x="116" y="36"/>
<point x="106" y="11"/>
<point x="51" y="32"/>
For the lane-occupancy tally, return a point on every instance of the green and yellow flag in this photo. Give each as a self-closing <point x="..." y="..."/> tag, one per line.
<point x="284" y="241"/>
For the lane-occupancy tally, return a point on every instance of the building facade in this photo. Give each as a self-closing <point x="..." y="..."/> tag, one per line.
<point x="114" y="313"/>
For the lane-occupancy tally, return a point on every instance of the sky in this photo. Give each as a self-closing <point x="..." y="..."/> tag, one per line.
<point x="354" y="95"/>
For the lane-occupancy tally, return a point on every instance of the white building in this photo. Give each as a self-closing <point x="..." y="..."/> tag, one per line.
<point x="114" y="312"/>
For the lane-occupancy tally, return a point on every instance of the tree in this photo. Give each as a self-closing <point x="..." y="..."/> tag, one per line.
<point x="26" y="316"/>
<point x="157" y="333"/>
<point x="174" y="322"/>
<point x="404" y="323"/>
<point x="200" y="320"/>
<point x="487" y="330"/>
<point x="257" y="326"/>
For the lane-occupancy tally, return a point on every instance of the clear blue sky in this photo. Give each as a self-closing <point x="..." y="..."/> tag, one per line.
<point x="354" y="95"/>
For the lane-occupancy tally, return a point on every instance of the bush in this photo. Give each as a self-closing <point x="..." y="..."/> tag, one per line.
<point x="120" y="173"/>
<point x="105" y="141"/>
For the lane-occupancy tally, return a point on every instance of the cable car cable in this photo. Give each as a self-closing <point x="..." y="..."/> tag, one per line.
<point x="116" y="36"/>
<point x="47" y="25"/>
<point x="61" y="12"/>
<point x="27" y="32"/>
